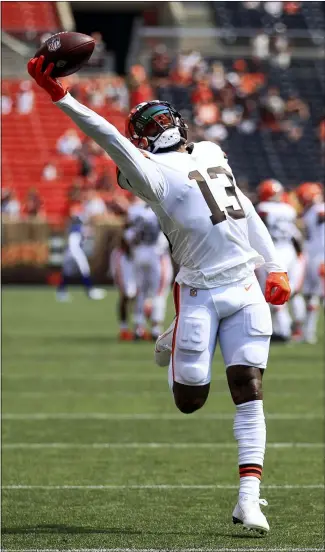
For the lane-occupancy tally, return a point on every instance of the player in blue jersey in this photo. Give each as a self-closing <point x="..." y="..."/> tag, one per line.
<point x="75" y="260"/>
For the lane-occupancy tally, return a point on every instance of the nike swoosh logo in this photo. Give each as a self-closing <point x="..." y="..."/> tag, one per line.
<point x="247" y="288"/>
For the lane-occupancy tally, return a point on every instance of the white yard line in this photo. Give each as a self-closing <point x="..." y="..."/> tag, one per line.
<point x="147" y="487"/>
<point x="151" y="376"/>
<point x="154" y="445"/>
<point x="145" y="416"/>
<point x="164" y="550"/>
<point x="108" y="393"/>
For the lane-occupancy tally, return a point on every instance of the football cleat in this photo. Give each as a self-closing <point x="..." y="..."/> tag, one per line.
<point x="126" y="335"/>
<point x="247" y="512"/>
<point x="63" y="296"/>
<point x="96" y="294"/>
<point x="163" y="347"/>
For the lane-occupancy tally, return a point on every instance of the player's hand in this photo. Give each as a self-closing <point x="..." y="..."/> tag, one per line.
<point x="52" y="86"/>
<point x="277" y="288"/>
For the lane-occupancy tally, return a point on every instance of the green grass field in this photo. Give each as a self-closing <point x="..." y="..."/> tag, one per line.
<point x="96" y="456"/>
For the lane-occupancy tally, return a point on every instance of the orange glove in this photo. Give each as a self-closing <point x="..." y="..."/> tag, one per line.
<point x="52" y="86"/>
<point x="277" y="288"/>
<point x="321" y="270"/>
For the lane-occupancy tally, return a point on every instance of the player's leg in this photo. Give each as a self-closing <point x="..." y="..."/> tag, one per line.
<point x="312" y="315"/>
<point x="244" y="341"/>
<point x="122" y="270"/>
<point x="162" y="272"/>
<point x="282" y="323"/>
<point x="68" y="266"/>
<point x="82" y="263"/>
<point x="194" y="341"/>
<point x="296" y="275"/>
<point x="139" y="314"/>
<point x="62" y="293"/>
<point x="298" y="309"/>
<point x="314" y="291"/>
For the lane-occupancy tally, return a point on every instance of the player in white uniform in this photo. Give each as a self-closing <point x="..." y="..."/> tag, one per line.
<point x="312" y="200"/>
<point x="123" y="273"/>
<point x="218" y="240"/>
<point x="153" y="270"/>
<point x="280" y="220"/>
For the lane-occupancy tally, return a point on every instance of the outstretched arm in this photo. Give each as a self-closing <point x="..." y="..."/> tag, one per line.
<point x="141" y="175"/>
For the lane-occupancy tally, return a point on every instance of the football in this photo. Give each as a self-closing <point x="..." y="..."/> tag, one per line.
<point x="68" y="51"/>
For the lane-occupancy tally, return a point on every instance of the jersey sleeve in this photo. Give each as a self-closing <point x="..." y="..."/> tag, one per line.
<point x="141" y="175"/>
<point x="259" y="236"/>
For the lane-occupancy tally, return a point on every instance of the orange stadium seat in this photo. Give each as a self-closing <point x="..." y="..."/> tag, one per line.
<point x="27" y="16"/>
<point x="29" y="141"/>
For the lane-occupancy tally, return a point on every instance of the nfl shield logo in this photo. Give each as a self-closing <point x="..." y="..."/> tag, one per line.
<point x="193" y="292"/>
<point x="53" y="44"/>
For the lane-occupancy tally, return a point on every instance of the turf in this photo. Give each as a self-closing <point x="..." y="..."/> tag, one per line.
<point x="63" y="361"/>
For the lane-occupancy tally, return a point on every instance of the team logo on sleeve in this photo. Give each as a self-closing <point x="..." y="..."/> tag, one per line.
<point x="54" y="44"/>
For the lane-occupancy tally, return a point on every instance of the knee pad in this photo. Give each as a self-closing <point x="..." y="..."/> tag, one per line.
<point x="258" y="321"/>
<point x="258" y="329"/>
<point x="193" y="334"/>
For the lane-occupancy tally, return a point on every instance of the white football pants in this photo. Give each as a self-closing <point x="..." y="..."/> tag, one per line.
<point x="154" y="274"/>
<point x="235" y="314"/>
<point x="123" y="273"/>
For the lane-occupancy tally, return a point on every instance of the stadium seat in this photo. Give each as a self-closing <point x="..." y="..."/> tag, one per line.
<point x="29" y="16"/>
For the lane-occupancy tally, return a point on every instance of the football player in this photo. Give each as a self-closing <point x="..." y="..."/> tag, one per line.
<point x="153" y="270"/>
<point x="311" y="198"/>
<point x="75" y="260"/>
<point x="280" y="219"/>
<point x="123" y="273"/>
<point x="218" y="240"/>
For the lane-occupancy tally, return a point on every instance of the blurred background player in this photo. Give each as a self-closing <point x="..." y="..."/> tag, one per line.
<point x="153" y="268"/>
<point x="280" y="219"/>
<point x="75" y="261"/>
<point x="311" y="197"/>
<point x="123" y="273"/>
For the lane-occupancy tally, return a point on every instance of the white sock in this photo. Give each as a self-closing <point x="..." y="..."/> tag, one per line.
<point x="250" y="433"/>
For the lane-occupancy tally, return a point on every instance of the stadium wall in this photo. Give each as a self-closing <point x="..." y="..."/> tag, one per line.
<point x="32" y="252"/>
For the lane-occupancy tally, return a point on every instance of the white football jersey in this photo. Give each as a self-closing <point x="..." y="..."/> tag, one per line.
<point x="280" y="220"/>
<point x="202" y="217"/>
<point x="215" y="234"/>
<point x="314" y="219"/>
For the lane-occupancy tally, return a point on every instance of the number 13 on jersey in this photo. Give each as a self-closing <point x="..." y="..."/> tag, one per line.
<point x="224" y="199"/>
